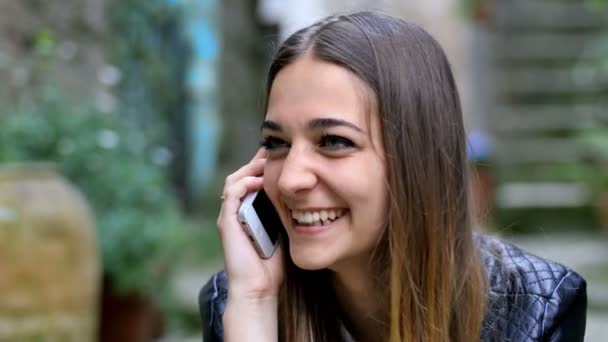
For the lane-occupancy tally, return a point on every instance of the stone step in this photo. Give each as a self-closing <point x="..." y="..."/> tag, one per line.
<point x="547" y="14"/>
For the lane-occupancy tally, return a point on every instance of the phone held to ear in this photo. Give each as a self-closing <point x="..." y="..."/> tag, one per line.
<point x="261" y="221"/>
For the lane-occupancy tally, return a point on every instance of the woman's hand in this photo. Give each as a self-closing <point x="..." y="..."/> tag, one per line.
<point x="253" y="283"/>
<point x="250" y="278"/>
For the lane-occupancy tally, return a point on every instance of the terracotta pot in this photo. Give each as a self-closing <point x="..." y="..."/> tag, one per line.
<point x="128" y="317"/>
<point x="49" y="270"/>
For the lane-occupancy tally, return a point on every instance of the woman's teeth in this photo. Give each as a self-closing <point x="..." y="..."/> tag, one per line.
<point x="313" y="218"/>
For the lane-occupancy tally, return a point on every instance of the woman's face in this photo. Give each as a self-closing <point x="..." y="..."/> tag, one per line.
<point x="325" y="172"/>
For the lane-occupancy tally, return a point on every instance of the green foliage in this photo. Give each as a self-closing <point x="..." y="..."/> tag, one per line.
<point x="140" y="228"/>
<point x="148" y="49"/>
<point x="596" y="142"/>
<point x="598" y="5"/>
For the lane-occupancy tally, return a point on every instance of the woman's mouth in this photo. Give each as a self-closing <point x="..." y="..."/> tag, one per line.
<point x="312" y="221"/>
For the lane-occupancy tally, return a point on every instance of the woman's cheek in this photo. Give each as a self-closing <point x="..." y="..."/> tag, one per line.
<point x="271" y="177"/>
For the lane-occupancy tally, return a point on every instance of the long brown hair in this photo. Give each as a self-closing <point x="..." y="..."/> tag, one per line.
<point x="427" y="254"/>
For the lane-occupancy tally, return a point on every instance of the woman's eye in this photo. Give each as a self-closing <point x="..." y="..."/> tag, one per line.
<point x="334" y="142"/>
<point x="272" y="143"/>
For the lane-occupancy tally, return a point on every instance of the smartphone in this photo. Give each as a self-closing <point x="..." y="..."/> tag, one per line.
<point x="261" y="222"/>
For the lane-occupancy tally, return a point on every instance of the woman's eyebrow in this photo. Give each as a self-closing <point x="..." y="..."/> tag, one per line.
<point x="322" y="123"/>
<point x="315" y="124"/>
<point x="271" y="125"/>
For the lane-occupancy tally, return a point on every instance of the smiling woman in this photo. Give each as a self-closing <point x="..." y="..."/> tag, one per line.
<point x="325" y="156"/>
<point x="363" y="157"/>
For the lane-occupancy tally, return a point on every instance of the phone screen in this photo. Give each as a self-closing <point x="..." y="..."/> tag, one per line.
<point x="268" y="215"/>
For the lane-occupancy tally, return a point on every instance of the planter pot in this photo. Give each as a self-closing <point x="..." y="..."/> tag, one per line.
<point x="128" y="317"/>
<point x="49" y="270"/>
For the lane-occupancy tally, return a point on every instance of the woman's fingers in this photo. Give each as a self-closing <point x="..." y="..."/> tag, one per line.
<point x="245" y="180"/>
<point x="232" y="199"/>
<point x="253" y="168"/>
<point x="230" y="194"/>
<point x="235" y="242"/>
<point x="261" y="153"/>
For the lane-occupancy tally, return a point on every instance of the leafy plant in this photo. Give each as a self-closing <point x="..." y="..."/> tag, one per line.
<point x="140" y="227"/>
<point x="151" y="55"/>
<point x="596" y="143"/>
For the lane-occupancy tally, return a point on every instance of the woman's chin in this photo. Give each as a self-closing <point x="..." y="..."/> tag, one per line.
<point x="308" y="261"/>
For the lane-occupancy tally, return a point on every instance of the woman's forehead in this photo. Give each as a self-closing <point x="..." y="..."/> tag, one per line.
<point x="311" y="89"/>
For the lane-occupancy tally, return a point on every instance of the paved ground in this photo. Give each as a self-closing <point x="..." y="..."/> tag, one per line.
<point x="583" y="253"/>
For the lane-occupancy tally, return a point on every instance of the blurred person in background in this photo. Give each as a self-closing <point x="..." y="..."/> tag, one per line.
<point x="364" y="158"/>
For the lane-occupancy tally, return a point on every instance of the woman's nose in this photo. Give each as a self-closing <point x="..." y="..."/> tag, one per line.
<point x="297" y="174"/>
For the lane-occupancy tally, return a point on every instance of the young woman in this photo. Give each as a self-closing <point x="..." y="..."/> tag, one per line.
<point x="363" y="156"/>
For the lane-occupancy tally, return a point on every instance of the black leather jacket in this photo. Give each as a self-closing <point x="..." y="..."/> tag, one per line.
<point x="529" y="299"/>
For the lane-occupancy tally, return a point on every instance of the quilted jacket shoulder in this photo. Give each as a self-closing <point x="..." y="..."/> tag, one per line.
<point x="529" y="298"/>
<point x="212" y="303"/>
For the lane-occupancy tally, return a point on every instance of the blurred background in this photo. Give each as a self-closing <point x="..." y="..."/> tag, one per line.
<point x="119" y="121"/>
